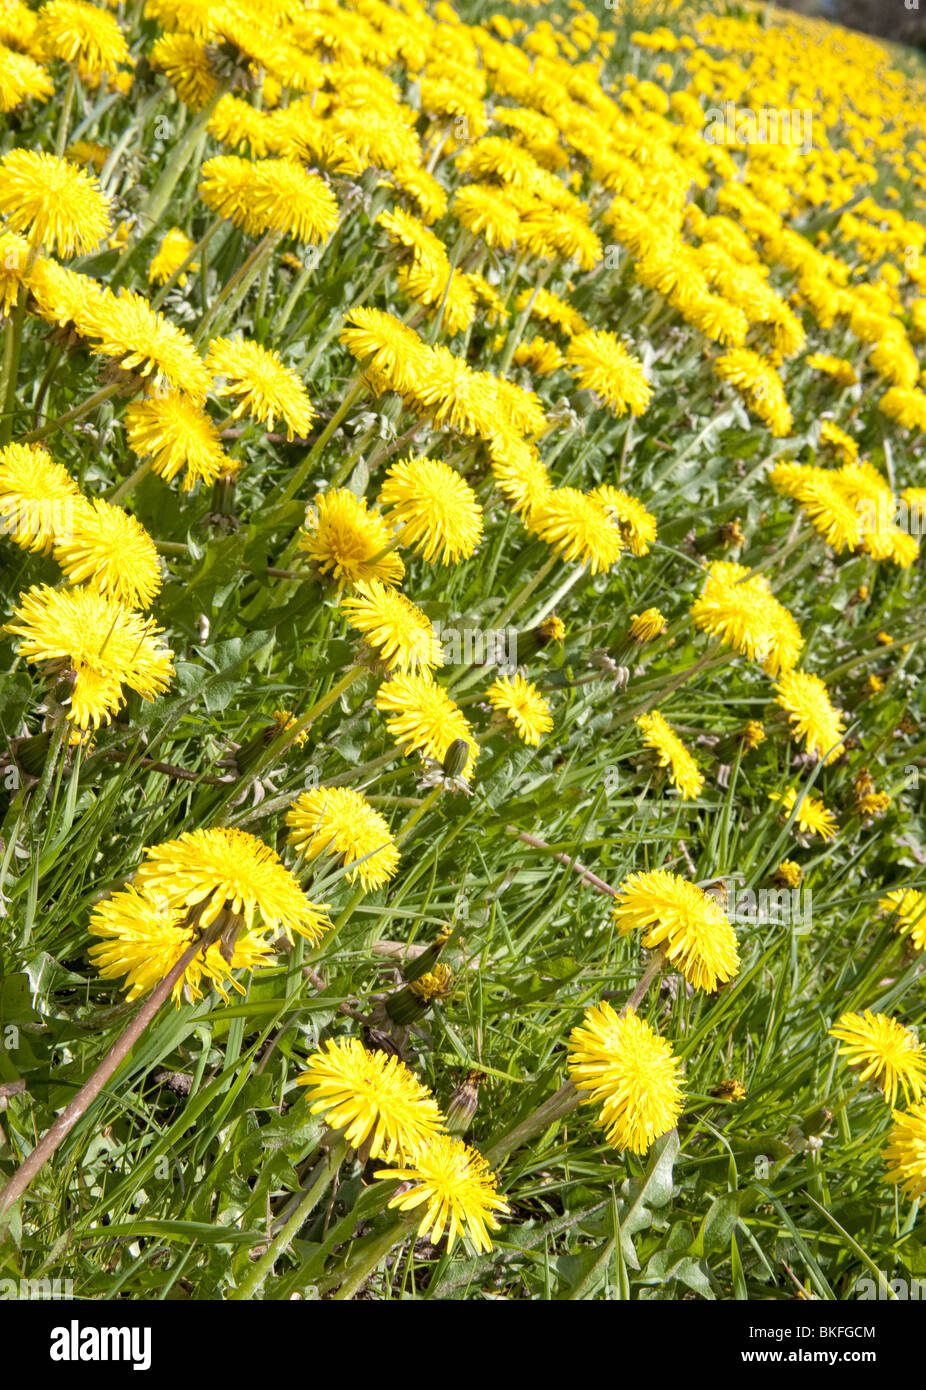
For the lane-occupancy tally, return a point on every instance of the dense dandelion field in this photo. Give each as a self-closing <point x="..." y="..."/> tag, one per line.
<point x="462" y="760"/>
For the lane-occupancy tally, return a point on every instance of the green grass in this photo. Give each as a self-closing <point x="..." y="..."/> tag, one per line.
<point x="170" y="1195"/>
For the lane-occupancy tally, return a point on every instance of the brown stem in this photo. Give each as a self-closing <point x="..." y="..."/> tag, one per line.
<point x="183" y="774"/>
<point x="655" y="967"/>
<point x="55" y="1136"/>
<point x="586" y="874"/>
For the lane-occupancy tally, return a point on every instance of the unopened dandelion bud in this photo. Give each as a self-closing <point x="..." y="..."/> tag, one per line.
<point x="816" y="1121"/>
<point x="464" y="1103"/>
<point x="223" y="494"/>
<point x="456" y="757"/>
<point x="428" y="959"/>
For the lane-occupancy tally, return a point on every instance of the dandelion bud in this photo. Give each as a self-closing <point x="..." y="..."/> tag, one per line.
<point x="731" y="1090"/>
<point x="428" y="958"/>
<point x="456" y="758"/>
<point x="788" y="874"/>
<point x="464" y="1103"/>
<point x="720" y="537"/>
<point x="412" y="1003"/>
<point x="223" y="494"/>
<point x="534" y="639"/>
<point x="644" y="627"/>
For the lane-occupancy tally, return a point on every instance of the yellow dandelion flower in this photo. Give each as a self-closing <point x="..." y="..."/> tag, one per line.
<point x="339" y="821"/>
<point x="487" y="213"/>
<point x="812" y="817"/>
<point x="433" y="509"/>
<point x="373" y="1098"/>
<point x="519" y="472"/>
<point x="883" y="1051"/>
<point x="80" y="33"/>
<point x="812" y="717"/>
<point x="229" y="869"/>
<point x="424" y="718"/>
<point x="143" y="938"/>
<point x="102" y="642"/>
<point x="130" y="332"/>
<point x="842" y="444"/>
<point x="788" y="874"/>
<point x="174" y="248"/>
<point x="688" y="925"/>
<point x="457" y="1189"/>
<point x="21" y="77"/>
<point x="761" y="386"/>
<point x="454" y="395"/>
<point x="601" y="363"/>
<point x="631" y="1074"/>
<point x="553" y="629"/>
<point x="386" y="346"/>
<point x="88" y="152"/>
<point x="14" y="263"/>
<point x="38" y="498"/>
<point x="350" y="542"/>
<point x="549" y="308"/>
<point x="742" y="611"/>
<point x="52" y="201"/>
<point x="908" y="408"/>
<point x="266" y="387"/>
<point x="270" y="195"/>
<point x="905" y="1151"/>
<point x="185" y="63"/>
<point x="61" y="296"/>
<point x="908" y="908"/>
<point x="524" y="705"/>
<point x="175" y="434"/>
<point x="636" y="524"/>
<point x="393" y="626"/>
<point x="842" y="372"/>
<point x="112" y="553"/>
<point x="648" y="625"/>
<point x="684" y="771"/>
<point x="539" y="355"/>
<point x="434" y="985"/>
<point x="830" y="511"/>
<point x="406" y="231"/>
<point x="578" y="528"/>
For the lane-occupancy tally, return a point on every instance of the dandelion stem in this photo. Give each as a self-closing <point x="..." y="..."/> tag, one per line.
<point x="524" y="594"/>
<point x="232" y="294"/>
<point x="88" y="1093"/>
<point x="187" y="262"/>
<point x="557" y="597"/>
<point x="638" y="994"/>
<point x="360" y="1268"/>
<point x="67" y="102"/>
<point x="78" y="412"/>
<point x="566" y="1099"/>
<point x="302" y="472"/>
<point x="127" y="484"/>
<point x="322" y="1174"/>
